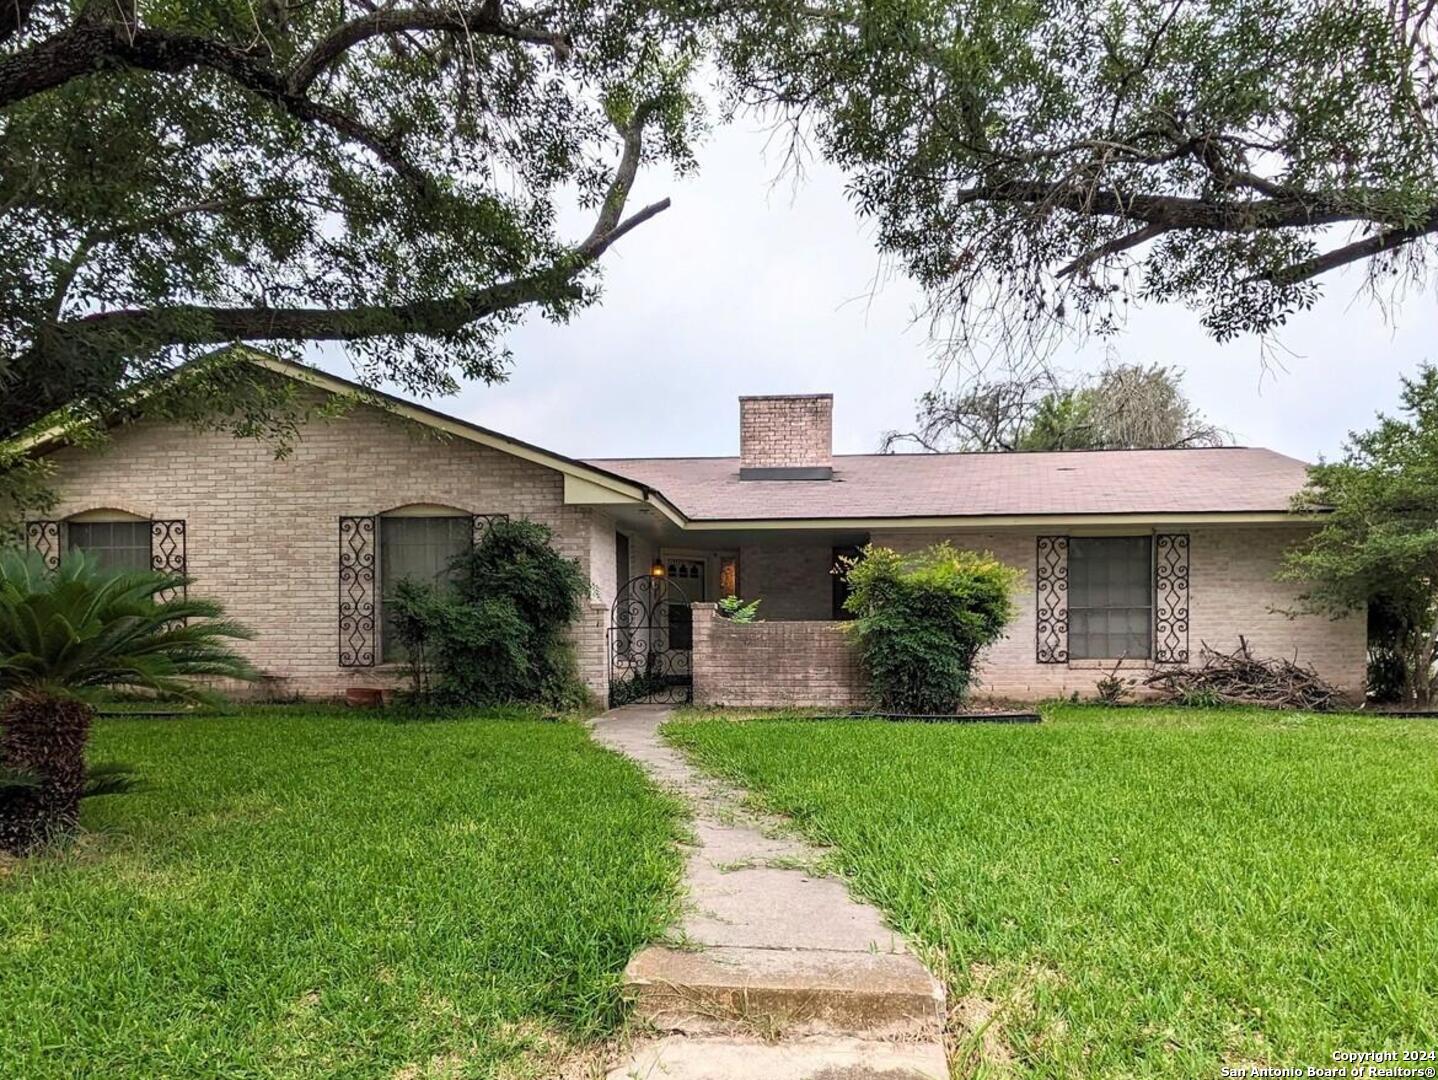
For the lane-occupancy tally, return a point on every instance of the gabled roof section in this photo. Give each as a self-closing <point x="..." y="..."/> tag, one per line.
<point x="601" y="484"/>
<point x="612" y="482"/>
<point x="1098" y="487"/>
<point x="1008" y="488"/>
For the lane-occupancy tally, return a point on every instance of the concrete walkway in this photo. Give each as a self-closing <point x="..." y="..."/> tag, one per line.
<point x="773" y="971"/>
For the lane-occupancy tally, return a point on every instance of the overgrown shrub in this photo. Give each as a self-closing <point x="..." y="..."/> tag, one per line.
<point x="496" y="632"/>
<point x="921" y="620"/>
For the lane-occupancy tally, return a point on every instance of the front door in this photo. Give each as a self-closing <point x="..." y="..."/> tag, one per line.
<point x="688" y="574"/>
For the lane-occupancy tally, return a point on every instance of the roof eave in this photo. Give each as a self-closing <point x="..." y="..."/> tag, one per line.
<point x="993" y="521"/>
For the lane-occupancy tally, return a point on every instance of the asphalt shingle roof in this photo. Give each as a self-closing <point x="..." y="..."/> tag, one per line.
<point x="1228" y="479"/>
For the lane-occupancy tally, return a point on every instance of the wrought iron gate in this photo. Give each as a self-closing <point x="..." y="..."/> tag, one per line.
<point x="650" y="643"/>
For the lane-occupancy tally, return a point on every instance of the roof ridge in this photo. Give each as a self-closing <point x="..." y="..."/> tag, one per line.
<point x="921" y="454"/>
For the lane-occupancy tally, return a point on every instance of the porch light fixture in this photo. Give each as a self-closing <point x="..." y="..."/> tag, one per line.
<point x="657" y="570"/>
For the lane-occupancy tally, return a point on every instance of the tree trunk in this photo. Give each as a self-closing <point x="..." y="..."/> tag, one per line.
<point x="44" y="736"/>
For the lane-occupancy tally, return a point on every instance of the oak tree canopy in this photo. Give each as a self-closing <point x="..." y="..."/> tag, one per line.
<point x="1037" y="166"/>
<point x="385" y="173"/>
<point x="390" y="174"/>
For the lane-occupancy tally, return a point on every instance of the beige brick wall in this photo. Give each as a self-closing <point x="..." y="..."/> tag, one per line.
<point x="786" y="431"/>
<point x="1232" y="592"/>
<point x="774" y="663"/>
<point x="262" y="537"/>
<point x="791" y="576"/>
<point x="262" y="534"/>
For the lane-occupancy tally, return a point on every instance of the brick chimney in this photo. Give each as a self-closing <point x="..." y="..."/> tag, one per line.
<point x="786" y="437"/>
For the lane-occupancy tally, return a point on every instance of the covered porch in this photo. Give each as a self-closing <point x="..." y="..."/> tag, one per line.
<point x="666" y="640"/>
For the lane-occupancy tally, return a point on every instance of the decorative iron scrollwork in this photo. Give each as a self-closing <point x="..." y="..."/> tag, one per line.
<point x="482" y="522"/>
<point x="43" y="538"/>
<point x="650" y="641"/>
<point x="167" y="553"/>
<point x="1170" y="598"/>
<point x="357" y="599"/>
<point x="1051" y="614"/>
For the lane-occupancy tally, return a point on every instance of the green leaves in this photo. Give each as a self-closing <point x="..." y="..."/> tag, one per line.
<point x="737" y="610"/>
<point x="921" y="620"/>
<point x="1037" y="167"/>
<point x="496" y="632"/>
<point x="79" y="629"/>
<point x="1378" y="545"/>
<point x="393" y="180"/>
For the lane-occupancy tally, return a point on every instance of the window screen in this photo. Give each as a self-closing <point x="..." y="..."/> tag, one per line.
<point x="420" y="548"/>
<point x="1110" y="597"/>
<point x="116" y="545"/>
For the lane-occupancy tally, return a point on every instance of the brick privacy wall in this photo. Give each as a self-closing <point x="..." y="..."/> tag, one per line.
<point x="797" y="663"/>
<point x="786" y="431"/>
<point x="262" y="534"/>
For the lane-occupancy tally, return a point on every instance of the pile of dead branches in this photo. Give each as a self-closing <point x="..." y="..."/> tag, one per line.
<point x="1240" y="678"/>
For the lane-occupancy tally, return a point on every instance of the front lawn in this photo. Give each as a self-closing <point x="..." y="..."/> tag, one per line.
<point x="1122" y="892"/>
<point x="325" y="894"/>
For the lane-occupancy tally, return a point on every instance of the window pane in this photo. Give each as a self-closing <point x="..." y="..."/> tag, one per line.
<point x="115" y="545"/>
<point x="420" y="548"/>
<point x="1110" y="597"/>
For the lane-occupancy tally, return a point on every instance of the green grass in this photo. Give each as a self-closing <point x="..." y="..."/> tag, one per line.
<point x="305" y="893"/>
<point x="1133" y="892"/>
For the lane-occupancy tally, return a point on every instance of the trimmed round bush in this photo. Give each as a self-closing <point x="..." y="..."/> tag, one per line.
<point x="921" y="620"/>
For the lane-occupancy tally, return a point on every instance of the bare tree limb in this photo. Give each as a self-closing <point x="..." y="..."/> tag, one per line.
<point x="623" y="182"/>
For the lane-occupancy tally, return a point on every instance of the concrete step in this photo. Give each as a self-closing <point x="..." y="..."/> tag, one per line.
<point x="682" y="1058"/>
<point x="774" y="993"/>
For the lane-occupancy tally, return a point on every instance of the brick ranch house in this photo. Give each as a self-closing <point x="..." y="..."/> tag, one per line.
<point x="1135" y="554"/>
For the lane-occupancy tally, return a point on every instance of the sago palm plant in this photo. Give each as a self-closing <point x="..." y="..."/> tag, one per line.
<point x="67" y="634"/>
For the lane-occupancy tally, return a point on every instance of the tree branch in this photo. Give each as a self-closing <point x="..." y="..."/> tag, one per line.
<point x="1113" y="247"/>
<point x="619" y="187"/>
<point x="93" y="43"/>
<point x="193" y="324"/>
<point x="1388" y="240"/>
<point x="136" y="330"/>
<point x="1296" y="210"/>
<point x="482" y="19"/>
<point x="89" y="243"/>
<point x="90" y="46"/>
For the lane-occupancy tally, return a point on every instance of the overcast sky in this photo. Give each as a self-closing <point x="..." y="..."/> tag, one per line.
<point x="745" y="286"/>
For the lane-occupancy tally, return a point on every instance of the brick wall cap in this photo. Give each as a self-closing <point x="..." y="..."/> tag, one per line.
<point x="786" y="397"/>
